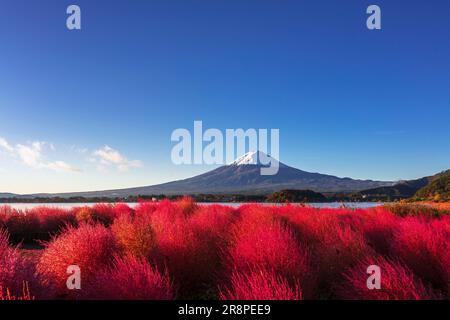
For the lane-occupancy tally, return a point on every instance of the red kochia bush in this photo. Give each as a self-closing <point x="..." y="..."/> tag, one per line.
<point x="424" y="246"/>
<point x="263" y="242"/>
<point x="190" y="255"/>
<point x="5" y="213"/>
<point x="379" y="228"/>
<point x="122" y="209"/>
<point x="272" y="247"/>
<point x="254" y="216"/>
<point x="336" y="244"/>
<point x="104" y="213"/>
<point x="22" y="226"/>
<point x="214" y="222"/>
<point x="99" y="213"/>
<point x="129" y="279"/>
<point x="35" y="224"/>
<point x="91" y="247"/>
<point x="146" y="208"/>
<point x="15" y="271"/>
<point x="51" y="220"/>
<point x="397" y="282"/>
<point x="261" y="285"/>
<point x="134" y="235"/>
<point x="187" y="205"/>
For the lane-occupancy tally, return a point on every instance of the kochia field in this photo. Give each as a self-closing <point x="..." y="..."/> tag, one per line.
<point x="183" y="250"/>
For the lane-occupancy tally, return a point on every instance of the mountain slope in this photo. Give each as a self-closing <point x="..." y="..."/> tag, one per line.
<point x="427" y="188"/>
<point x="437" y="189"/>
<point x="7" y="195"/>
<point x="243" y="176"/>
<point x="401" y="190"/>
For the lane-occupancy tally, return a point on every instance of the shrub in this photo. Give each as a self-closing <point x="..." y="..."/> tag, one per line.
<point x="187" y="205"/>
<point x="424" y="247"/>
<point x="214" y="221"/>
<point x="122" y="209"/>
<point x="189" y="254"/>
<point x="397" y="282"/>
<point x="99" y="213"/>
<point x="336" y="246"/>
<point x="254" y="216"/>
<point x="22" y="227"/>
<point x="91" y="247"/>
<point x="38" y="222"/>
<point x="379" y="228"/>
<point x="146" y="208"/>
<point x="15" y="270"/>
<point x="211" y="225"/>
<point x="260" y="285"/>
<point x="165" y="215"/>
<point x="129" y="279"/>
<point x="35" y="224"/>
<point x="134" y="236"/>
<point x="52" y="219"/>
<point x="104" y="213"/>
<point x="273" y="247"/>
<point x="5" y="213"/>
<point x="83" y="215"/>
<point x="262" y="240"/>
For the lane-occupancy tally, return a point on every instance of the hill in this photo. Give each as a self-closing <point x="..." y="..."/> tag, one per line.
<point x="7" y="195"/>
<point x="296" y="196"/>
<point x="437" y="189"/>
<point x="401" y="190"/>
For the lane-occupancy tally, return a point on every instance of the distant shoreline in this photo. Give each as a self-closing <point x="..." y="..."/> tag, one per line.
<point x="282" y="196"/>
<point x="22" y="207"/>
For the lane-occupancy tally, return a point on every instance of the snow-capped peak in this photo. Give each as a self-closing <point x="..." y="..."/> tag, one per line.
<point x="253" y="157"/>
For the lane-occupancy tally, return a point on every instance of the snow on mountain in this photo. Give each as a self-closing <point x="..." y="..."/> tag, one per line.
<point x="253" y="157"/>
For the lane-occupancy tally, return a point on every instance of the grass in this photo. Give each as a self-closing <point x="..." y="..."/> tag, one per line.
<point x="181" y="250"/>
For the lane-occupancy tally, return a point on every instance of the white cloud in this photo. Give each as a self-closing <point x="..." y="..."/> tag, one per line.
<point x="32" y="155"/>
<point x="61" y="166"/>
<point x="36" y="155"/>
<point x="5" y="145"/>
<point x="109" y="156"/>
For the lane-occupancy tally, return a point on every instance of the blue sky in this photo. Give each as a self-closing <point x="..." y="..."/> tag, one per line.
<point x="95" y="109"/>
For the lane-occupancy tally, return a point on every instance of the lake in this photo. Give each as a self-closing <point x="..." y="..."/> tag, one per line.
<point x="361" y="205"/>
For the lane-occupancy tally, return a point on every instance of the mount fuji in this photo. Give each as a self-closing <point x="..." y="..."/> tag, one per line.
<point x="242" y="176"/>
